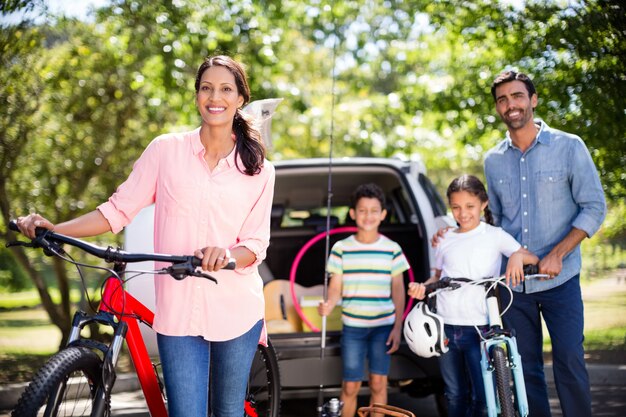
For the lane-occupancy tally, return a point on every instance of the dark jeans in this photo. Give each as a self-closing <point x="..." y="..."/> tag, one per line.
<point x="462" y="374"/>
<point x="562" y="310"/>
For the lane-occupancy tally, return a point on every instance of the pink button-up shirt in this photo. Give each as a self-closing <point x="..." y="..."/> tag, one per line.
<point x="194" y="208"/>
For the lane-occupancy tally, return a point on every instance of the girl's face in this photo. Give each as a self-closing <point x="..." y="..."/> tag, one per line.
<point x="368" y="214"/>
<point x="218" y="98"/>
<point x="466" y="209"/>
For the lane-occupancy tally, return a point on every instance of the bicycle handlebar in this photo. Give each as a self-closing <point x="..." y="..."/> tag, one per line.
<point x="50" y="242"/>
<point x="530" y="271"/>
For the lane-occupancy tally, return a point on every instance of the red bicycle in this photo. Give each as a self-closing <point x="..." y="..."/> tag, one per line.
<point x="78" y="380"/>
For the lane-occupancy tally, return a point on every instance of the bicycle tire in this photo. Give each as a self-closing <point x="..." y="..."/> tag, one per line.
<point x="263" y="396"/>
<point x="83" y="366"/>
<point x="503" y="382"/>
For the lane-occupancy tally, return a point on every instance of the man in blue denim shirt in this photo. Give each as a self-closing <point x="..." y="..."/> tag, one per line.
<point x="545" y="191"/>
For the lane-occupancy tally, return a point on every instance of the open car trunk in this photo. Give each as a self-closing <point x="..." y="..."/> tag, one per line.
<point x="293" y="271"/>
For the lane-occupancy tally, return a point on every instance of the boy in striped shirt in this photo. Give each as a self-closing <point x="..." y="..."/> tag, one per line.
<point x="366" y="274"/>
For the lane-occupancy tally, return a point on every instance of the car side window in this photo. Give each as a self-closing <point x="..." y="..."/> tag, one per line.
<point x="436" y="202"/>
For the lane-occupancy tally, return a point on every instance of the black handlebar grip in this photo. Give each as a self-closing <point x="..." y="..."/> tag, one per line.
<point x="531" y="269"/>
<point x="195" y="261"/>
<point x="13" y="225"/>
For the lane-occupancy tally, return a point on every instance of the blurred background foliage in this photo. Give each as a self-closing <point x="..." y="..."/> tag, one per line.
<point x="81" y="98"/>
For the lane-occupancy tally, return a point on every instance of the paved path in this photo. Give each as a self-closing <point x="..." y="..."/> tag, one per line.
<point x="608" y="394"/>
<point x="608" y="381"/>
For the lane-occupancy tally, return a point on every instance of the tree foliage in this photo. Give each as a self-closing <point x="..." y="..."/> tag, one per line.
<point x="394" y="78"/>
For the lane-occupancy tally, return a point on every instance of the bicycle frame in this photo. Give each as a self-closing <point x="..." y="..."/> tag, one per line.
<point x="498" y="345"/>
<point x="122" y="312"/>
<point x="498" y="336"/>
<point x="129" y="312"/>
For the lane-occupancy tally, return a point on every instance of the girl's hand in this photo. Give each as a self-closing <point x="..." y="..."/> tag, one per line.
<point x="324" y="308"/>
<point x="213" y="258"/>
<point x="515" y="269"/>
<point x="28" y="224"/>
<point x="417" y="290"/>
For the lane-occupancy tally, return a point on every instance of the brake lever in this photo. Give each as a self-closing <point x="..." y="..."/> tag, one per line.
<point x="537" y="276"/>
<point x="186" y="269"/>
<point x="49" y="248"/>
<point x="204" y="275"/>
<point x="450" y="287"/>
<point x="19" y="243"/>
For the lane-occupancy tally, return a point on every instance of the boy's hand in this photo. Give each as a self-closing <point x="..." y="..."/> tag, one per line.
<point x="394" y="339"/>
<point x="515" y="269"/>
<point x="417" y="290"/>
<point x="324" y="308"/>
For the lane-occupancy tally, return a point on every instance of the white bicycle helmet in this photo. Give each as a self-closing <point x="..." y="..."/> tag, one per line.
<point x="423" y="331"/>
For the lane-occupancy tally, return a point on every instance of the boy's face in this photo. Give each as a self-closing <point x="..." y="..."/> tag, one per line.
<point x="368" y="214"/>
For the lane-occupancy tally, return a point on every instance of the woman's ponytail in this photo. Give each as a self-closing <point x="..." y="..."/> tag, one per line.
<point x="249" y="144"/>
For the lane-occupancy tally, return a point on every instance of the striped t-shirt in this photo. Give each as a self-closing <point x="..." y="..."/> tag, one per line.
<point x="367" y="269"/>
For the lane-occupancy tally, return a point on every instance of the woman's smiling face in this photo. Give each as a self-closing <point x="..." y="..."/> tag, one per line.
<point x="218" y="98"/>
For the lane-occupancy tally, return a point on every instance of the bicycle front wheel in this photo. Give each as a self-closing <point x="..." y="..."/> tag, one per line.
<point x="64" y="386"/>
<point x="263" y="397"/>
<point x="503" y="382"/>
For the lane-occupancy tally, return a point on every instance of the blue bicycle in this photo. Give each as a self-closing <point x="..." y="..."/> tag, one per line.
<point x="500" y="360"/>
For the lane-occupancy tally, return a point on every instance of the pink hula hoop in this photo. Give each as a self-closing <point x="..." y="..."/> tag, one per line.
<point x="298" y="258"/>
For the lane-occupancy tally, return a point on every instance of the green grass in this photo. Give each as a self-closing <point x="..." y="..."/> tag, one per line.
<point x="605" y="313"/>
<point x="606" y="339"/>
<point x="31" y="298"/>
<point x="27" y="331"/>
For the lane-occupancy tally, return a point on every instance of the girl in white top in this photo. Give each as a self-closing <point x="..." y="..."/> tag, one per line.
<point x="473" y="250"/>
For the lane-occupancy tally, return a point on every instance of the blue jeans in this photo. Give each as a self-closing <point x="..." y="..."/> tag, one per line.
<point x="562" y="310"/>
<point x="357" y="343"/>
<point x="187" y="362"/>
<point x="462" y="374"/>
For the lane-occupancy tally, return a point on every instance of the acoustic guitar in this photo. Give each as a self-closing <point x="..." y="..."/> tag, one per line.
<point x="281" y="315"/>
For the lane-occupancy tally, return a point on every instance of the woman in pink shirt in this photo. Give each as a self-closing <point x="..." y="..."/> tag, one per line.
<point x="212" y="189"/>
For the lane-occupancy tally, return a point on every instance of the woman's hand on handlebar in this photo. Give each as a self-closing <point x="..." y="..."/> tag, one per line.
<point x="213" y="258"/>
<point x="28" y="224"/>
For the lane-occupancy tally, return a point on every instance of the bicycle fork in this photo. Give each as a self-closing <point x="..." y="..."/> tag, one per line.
<point x="514" y="361"/>
<point x="111" y="352"/>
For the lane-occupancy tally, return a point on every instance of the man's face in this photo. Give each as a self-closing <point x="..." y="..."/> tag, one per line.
<point x="514" y="105"/>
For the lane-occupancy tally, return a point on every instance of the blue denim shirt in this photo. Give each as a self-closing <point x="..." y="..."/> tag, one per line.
<point x="539" y="195"/>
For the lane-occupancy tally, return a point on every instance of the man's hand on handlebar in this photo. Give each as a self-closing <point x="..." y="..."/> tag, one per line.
<point x="214" y="258"/>
<point x="28" y="224"/>
<point x="551" y="265"/>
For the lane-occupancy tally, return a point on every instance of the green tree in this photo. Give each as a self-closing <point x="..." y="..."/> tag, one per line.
<point x="391" y="79"/>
